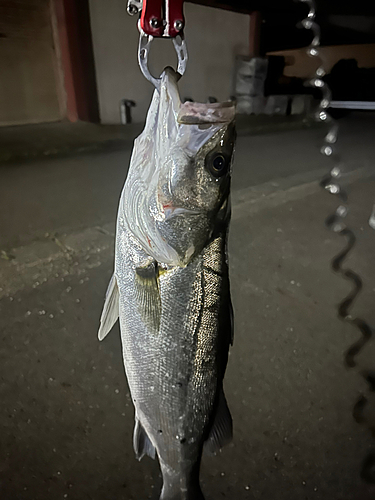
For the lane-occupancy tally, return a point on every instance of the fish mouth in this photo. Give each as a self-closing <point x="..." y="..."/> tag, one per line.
<point x="171" y="211"/>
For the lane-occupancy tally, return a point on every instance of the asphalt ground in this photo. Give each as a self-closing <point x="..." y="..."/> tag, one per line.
<point x="66" y="416"/>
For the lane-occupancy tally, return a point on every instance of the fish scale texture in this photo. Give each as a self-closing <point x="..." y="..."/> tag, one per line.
<point x="174" y="375"/>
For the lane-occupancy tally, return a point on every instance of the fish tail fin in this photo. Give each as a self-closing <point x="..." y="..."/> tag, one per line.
<point x="172" y="494"/>
<point x="181" y="486"/>
<point x="110" y="311"/>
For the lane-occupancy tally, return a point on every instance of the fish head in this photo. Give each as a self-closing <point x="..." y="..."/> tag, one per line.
<point x="197" y="179"/>
<point x="193" y="188"/>
<point x="177" y="191"/>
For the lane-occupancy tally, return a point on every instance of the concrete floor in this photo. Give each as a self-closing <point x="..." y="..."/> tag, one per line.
<point x="66" y="416"/>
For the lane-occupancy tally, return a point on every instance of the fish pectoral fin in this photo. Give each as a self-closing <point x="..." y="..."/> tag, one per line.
<point x="148" y="296"/>
<point x="221" y="432"/>
<point x="110" y="311"/>
<point x="141" y="442"/>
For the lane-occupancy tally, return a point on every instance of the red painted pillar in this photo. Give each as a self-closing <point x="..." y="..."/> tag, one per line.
<point x="255" y="30"/>
<point x="77" y="59"/>
<point x="66" y="62"/>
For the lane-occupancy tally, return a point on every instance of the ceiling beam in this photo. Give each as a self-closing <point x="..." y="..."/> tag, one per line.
<point x="342" y="7"/>
<point x="236" y="6"/>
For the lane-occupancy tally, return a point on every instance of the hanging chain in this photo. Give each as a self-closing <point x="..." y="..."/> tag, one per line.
<point x="336" y="222"/>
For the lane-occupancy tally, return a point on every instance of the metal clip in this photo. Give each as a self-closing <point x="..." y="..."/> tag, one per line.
<point x="134" y="6"/>
<point x="144" y="49"/>
<point x="159" y="18"/>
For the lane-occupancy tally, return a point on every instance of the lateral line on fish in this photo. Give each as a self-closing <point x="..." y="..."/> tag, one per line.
<point x="216" y="273"/>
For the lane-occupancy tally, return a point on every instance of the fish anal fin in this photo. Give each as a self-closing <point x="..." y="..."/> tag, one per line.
<point x="110" y="311"/>
<point x="221" y="432"/>
<point x="141" y="442"/>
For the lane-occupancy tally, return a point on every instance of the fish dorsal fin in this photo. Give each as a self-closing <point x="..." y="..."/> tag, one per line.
<point x="110" y="311"/>
<point x="221" y="432"/>
<point x="148" y="296"/>
<point x="141" y="442"/>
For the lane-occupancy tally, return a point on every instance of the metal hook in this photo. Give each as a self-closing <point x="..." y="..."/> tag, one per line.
<point x="144" y="49"/>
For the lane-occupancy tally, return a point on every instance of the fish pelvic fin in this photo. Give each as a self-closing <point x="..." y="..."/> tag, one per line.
<point x="221" y="432"/>
<point x="110" y="311"/>
<point x="141" y="442"/>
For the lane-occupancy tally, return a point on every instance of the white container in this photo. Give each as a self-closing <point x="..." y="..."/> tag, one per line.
<point x="250" y="75"/>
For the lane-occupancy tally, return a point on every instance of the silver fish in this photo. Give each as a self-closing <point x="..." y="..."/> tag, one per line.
<point x="170" y="287"/>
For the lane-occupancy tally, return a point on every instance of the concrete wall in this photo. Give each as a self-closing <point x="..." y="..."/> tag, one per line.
<point x="29" y="79"/>
<point x="213" y="36"/>
<point x="303" y="66"/>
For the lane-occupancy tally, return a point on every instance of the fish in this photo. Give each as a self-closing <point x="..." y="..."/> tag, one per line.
<point x="170" y="286"/>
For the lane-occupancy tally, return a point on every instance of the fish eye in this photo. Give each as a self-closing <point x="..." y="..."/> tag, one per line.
<point x="219" y="165"/>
